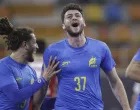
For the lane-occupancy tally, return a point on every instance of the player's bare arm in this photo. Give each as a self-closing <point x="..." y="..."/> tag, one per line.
<point x="48" y="73"/>
<point x="118" y="88"/>
<point x="133" y="71"/>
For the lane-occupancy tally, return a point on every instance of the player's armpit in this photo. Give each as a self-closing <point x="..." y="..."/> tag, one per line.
<point x="133" y="71"/>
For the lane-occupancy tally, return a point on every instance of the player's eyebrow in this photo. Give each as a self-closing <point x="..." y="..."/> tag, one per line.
<point x="72" y="14"/>
<point x="69" y="14"/>
<point x="77" y="13"/>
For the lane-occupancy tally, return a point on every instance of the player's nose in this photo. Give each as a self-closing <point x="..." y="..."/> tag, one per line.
<point x="37" y="46"/>
<point x="74" y="18"/>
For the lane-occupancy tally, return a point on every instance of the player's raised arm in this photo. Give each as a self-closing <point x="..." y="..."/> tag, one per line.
<point x="28" y="91"/>
<point x="133" y="70"/>
<point x="133" y="73"/>
<point x="48" y="73"/>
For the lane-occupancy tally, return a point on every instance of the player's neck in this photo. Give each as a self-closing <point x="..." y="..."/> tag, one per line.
<point x="19" y="57"/>
<point x="77" y="41"/>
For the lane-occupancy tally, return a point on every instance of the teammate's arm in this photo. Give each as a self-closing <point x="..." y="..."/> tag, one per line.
<point x="16" y="95"/>
<point x="133" y="71"/>
<point x="11" y="89"/>
<point x="118" y="88"/>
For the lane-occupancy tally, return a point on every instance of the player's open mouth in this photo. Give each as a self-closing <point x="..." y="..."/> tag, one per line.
<point x="75" y="24"/>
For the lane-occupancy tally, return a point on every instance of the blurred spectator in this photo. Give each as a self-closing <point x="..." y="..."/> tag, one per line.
<point x="113" y="12"/>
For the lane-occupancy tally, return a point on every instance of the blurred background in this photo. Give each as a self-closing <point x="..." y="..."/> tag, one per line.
<point x="116" y="22"/>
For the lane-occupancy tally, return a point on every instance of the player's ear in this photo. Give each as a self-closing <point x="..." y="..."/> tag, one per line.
<point x="84" y="24"/>
<point x="63" y="26"/>
<point x="24" y="44"/>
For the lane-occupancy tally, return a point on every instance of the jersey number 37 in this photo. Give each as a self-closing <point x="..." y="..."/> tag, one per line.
<point x="81" y="83"/>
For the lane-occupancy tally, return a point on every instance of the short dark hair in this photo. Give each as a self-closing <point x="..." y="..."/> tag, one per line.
<point x="70" y="6"/>
<point x="14" y="36"/>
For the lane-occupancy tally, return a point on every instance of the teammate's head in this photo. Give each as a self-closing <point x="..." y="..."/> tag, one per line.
<point x="19" y="38"/>
<point x="72" y="19"/>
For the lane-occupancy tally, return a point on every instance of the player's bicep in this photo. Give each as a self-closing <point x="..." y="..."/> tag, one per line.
<point x="112" y="75"/>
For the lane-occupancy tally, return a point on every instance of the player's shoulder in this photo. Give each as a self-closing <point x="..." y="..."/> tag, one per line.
<point x="97" y="42"/>
<point x="56" y="46"/>
<point x="138" y="50"/>
<point x="4" y="60"/>
<point x="4" y="63"/>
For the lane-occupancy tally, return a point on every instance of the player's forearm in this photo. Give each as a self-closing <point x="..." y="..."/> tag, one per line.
<point x="12" y="91"/>
<point x="119" y="92"/>
<point x="39" y="97"/>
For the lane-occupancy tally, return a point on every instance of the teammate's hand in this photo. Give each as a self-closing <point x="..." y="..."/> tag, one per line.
<point x="50" y="71"/>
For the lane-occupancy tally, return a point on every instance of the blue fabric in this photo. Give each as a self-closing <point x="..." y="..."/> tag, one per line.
<point x="79" y="80"/>
<point x="18" y="82"/>
<point x="137" y="56"/>
<point x="113" y="12"/>
<point x="137" y="105"/>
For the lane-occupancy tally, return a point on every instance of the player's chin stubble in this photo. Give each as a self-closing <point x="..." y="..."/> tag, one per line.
<point x="74" y="34"/>
<point x="30" y="57"/>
